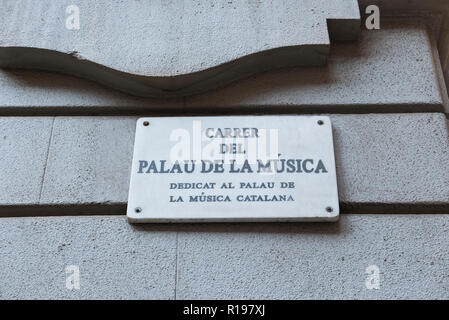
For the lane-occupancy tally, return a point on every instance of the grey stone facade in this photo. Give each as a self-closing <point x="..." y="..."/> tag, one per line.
<point x="66" y="146"/>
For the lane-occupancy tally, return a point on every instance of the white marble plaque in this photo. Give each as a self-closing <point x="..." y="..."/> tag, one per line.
<point x="236" y="168"/>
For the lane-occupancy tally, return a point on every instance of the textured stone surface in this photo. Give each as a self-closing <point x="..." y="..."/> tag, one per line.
<point x="89" y="161"/>
<point x="390" y="70"/>
<point x="386" y="164"/>
<point x="418" y="7"/>
<point x="116" y="260"/>
<point x="393" y="162"/>
<point x="161" y="48"/>
<point x="316" y="261"/>
<point x="437" y="11"/>
<point x="395" y="159"/>
<point x="243" y="261"/>
<point x="23" y="156"/>
<point x="380" y="73"/>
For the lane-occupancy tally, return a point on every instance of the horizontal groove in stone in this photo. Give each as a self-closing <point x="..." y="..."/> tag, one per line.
<point x="77" y="209"/>
<point x="397" y="163"/>
<point x="394" y="208"/>
<point x="223" y="110"/>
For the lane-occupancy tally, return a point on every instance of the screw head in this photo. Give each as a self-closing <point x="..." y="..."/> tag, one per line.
<point x="138" y="210"/>
<point x="320" y="122"/>
<point x="329" y="209"/>
<point x="146" y="123"/>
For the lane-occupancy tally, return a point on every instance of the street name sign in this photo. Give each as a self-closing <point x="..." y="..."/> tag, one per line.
<point x="233" y="168"/>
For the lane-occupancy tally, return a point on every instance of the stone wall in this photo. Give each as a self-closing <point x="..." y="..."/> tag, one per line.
<point x="65" y="155"/>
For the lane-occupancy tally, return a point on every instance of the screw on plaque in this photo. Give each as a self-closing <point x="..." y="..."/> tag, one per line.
<point x="329" y="209"/>
<point x="146" y="123"/>
<point x="320" y="122"/>
<point x="138" y="210"/>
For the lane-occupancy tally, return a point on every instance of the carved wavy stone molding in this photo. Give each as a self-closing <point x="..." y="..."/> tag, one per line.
<point x="172" y="48"/>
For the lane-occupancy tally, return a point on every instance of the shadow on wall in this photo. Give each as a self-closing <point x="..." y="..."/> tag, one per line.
<point x="318" y="228"/>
